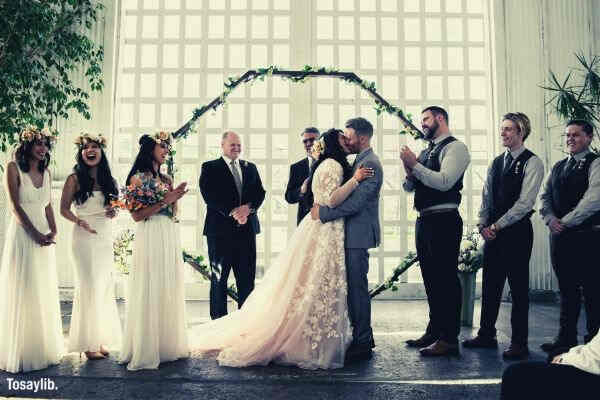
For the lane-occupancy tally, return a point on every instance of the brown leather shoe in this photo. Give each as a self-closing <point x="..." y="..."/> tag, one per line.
<point x="440" y="348"/>
<point x="516" y="352"/>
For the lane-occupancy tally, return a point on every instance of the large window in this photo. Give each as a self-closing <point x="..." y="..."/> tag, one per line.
<point x="177" y="53"/>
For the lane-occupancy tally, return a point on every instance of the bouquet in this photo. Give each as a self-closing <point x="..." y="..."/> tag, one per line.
<point x="470" y="257"/>
<point x="142" y="192"/>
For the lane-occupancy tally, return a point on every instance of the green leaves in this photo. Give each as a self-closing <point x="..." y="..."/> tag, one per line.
<point x="571" y="99"/>
<point x="41" y="45"/>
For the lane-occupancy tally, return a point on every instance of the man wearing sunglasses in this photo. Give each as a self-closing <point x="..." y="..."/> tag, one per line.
<point x="299" y="173"/>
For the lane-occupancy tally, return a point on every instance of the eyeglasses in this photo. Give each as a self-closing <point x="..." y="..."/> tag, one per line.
<point x="311" y="140"/>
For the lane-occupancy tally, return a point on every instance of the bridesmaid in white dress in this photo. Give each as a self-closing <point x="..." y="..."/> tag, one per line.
<point x="30" y="323"/>
<point x="155" y="327"/>
<point x="95" y="324"/>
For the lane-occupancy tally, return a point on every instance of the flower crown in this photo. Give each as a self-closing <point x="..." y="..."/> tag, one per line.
<point x="162" y="136"/>
<point x="86" y="138"/>
<point x="32" y="133"/>
<point x="318" y="148"/>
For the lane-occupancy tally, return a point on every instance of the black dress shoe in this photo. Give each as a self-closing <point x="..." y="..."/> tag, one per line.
<point x="481" y="343"/>
<point x="426" y="340"/>
<point x="358" y="353"/>
<point x="516" y="352"/>
<point x="558" y="344"/>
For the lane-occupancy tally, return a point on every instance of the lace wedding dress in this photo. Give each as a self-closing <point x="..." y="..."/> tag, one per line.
<point x="298" y="313"/>
<point x="31" y="336"/>
<point x="95" y="319"/>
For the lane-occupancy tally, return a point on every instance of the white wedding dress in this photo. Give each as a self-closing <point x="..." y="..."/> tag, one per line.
<point x="298" y="313"/>
<point x="95" y="319"/>
<point x="31" y="336"/>
<point x="155" y="326"/>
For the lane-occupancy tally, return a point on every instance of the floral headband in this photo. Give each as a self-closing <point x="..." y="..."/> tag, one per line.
<point x="32" y="133"/>
<point x="86" y="138"/>
<point x="318" y="148"/>
<point x="162" y="136"/>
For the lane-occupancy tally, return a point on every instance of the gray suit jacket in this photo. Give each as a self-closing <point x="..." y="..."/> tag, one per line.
<point x="361" y="208"/>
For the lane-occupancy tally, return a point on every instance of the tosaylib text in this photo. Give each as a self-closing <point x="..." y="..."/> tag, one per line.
<point x="39" y="385"/>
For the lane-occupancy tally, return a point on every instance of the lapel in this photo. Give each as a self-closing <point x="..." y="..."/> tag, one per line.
<point x="306" y="168"/>
<point x="229" y="175"/>
<point x="244" y="168"/>
<point x="360" y="157"/>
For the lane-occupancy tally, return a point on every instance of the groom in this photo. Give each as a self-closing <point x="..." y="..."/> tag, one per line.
<point x="362" y="232"/>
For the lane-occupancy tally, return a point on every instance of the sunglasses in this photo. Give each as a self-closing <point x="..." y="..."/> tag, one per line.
<point x="305" y="141"/>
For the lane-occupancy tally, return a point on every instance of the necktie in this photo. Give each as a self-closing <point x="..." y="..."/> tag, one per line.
<point x="507" y="162"/>
<point x="236" y="178"/>
<point x="570" y="165"/>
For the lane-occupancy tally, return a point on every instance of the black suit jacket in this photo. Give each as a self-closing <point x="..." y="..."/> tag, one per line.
<point x="221" y="197"/>
<point x="298" y="173"/>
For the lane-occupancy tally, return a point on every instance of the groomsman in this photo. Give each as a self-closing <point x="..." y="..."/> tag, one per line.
<point x="299" y="173"/>
<point x="233" y="192"/>
<point x="571" y="208"/>
<point x="511" y="188"/>
<point x="436" y="177"/>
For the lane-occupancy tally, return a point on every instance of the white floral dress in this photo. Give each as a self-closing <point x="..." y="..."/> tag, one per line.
<point x="298" y="313"/>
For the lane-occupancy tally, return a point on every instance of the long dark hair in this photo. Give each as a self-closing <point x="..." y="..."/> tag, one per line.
<point x="332" y="150"/>
<point x="143" y="161"/>
<point x="86" y="182"/>
<point x="23" y="154"/>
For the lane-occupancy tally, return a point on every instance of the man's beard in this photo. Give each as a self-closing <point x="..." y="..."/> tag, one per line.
<point x="430" y="133"/>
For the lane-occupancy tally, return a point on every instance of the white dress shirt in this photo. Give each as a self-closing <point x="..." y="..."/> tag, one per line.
<point x="237" y="166"/>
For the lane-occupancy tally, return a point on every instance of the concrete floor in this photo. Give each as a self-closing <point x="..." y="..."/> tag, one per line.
<point x="395" y="371"/>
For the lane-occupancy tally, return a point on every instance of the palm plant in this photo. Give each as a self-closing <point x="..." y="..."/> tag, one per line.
<point x="578" y="99"/>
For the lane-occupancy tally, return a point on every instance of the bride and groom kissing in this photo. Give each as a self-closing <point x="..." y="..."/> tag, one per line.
<point x="312" y="308"/>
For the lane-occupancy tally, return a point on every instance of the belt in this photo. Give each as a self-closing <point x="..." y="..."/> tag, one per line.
<point x="437" y="211"/>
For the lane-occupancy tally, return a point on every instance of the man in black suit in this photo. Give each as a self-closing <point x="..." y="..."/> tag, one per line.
<point x="233" y="192"/>
<point x="299" y="172"/>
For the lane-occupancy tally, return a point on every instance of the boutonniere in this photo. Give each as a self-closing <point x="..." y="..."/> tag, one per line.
<point x="244" y="163"/>
<point x="580" y="163"/>
<point x="517" y="166"/>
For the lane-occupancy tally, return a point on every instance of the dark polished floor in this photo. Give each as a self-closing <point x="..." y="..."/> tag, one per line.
<point x="395" y="371"/>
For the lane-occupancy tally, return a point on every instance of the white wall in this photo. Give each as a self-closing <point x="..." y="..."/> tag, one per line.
<point x="530" y="38"/>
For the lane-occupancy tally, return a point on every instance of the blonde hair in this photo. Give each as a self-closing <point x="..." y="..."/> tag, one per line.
<point x="522" y="122"/>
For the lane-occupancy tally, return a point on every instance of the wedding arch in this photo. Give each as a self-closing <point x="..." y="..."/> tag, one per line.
<point x="296" y="76"/>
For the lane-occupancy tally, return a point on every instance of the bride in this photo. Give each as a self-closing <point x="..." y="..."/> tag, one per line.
<point x="298" y="314"/>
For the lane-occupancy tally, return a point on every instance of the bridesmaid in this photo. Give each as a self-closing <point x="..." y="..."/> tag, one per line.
<point x="30" y="323"/>
<point x="155" y="328"/>
<point x="95" y="321"/>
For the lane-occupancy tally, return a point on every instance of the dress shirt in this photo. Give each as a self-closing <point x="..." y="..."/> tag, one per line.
<point x="454" y="160"/>
<point x="237" y="166"/>
<point x="587" y="206"/>
<point x="534" y="175"/>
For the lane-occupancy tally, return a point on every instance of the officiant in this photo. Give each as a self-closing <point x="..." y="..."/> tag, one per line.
<point x="233" y="192"/>
<point x="299" y="173"/>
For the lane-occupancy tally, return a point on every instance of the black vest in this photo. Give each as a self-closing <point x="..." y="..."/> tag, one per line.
<point x="568" y="188"/>
<point x="506" y="185"/>
<point x="426" y="196"/>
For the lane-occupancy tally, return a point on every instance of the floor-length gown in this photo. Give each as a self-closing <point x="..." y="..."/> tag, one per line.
<point x="155" y="326"/>
<point x="31" y="335"/>
<point x="95" y="318"/>
<point x="298" y="313"/>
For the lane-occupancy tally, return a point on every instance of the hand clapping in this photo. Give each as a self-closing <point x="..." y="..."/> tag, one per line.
<point x="175" y="194"/>
<point x="408" y="157"/>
